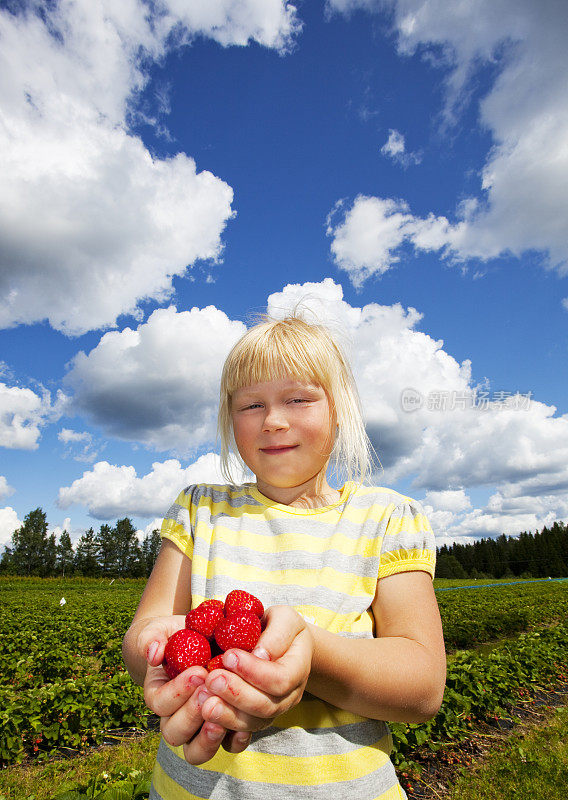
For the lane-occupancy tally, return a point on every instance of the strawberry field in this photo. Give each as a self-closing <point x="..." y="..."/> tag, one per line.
<point x="63" y="685"/>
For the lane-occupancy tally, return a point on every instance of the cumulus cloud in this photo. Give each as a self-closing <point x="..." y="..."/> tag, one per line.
<point x="448" y="500"/>
<point x="166" y="392"/>
<point x="522" y="204"/>
<point x="23" y="413"/>
<point x="5" y="489"/>
<point x="454" y="435"/>
<point x="9" y="523"/>
<point x="435" y="430"/>
<point x="91" y="223"/>
<point x="110" y="491"/>
<point x="367" y="239"/>
<point x="395" y="148"/>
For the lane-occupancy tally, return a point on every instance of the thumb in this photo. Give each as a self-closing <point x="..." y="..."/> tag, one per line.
<point x="281" y="625"/>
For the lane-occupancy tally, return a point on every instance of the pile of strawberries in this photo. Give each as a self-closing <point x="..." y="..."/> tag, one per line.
<point x="211" y="629"/>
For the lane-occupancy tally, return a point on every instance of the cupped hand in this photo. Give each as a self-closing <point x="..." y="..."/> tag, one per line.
<point x="177" y="701"/>
<point x="264" y="684"/>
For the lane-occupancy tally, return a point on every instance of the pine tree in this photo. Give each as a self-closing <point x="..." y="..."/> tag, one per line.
<point x="129" y="561"/>
<point x="33" y="552"/>
<point x="107" y="550"/>
<point x="150" y="549"/>
<point x="65" y="554"/>
<point x="86" y="561"/>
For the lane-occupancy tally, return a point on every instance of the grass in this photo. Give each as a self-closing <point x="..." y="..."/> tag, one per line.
<point x="533" y="763"/>
<point x="40" y="780"/>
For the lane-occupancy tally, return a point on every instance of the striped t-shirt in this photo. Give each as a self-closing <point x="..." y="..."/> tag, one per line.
<point x="324" y="562"/>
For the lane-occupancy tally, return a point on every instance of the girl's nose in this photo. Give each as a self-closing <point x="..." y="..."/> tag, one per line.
<point x="274" y="419"/>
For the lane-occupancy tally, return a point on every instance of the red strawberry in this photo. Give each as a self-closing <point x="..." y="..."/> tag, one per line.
<point x="185" y="649"/>
<point x="205" y="618"/>
<point x="238" y="601"/>
<point x="240" y="630"/>
<point x="216" y="663"/>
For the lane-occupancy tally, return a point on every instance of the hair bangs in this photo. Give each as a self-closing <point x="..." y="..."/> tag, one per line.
<point x="274" y="353"/>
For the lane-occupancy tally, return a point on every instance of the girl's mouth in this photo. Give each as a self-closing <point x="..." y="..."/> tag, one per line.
<point x="281" y="449"/>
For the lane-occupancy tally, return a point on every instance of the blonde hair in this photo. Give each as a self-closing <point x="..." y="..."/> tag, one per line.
<point x="292" y="347"/>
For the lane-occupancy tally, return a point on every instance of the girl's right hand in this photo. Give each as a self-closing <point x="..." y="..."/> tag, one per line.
<point x="177" y="702"/>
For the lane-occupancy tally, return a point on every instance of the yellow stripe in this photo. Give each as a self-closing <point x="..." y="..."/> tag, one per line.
<point x="408" y="524"/>
<point x="168" y="788"/>
<point x="315" y="713"/>
<point x="341" y="582"/>
<point x="183" y="542"/>
<point x="407" y="561"/>
<point x="297" y="770"/>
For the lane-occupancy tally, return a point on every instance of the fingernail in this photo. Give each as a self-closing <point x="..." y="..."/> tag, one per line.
<point x="196" y="680"/>
<point x="230" y="660"/>
<point x="242" y="738"/>
<point x="260" y="652"/>
<point x="203" y="696"/>
<point x="218" y="684"/>
<point x="214" y="733"/>
<point x="152" y="650"/>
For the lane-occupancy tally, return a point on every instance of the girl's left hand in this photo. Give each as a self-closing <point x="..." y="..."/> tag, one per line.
<point x="264" y="684"/>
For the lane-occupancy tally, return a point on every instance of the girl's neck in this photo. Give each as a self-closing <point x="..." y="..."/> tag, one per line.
<point x="317" y="495"/>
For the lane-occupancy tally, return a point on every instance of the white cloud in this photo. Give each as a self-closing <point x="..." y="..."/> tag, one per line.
<point x="166" y="392"/>
<point x="395" y="148"/>
<point x="448" y="500"/>
<point x="5" y="489"/>
<point x="451" y="440"/>
<point x="109" y="491"/>
<point x="9" y="523"/>
<point x="23" y="413"/>
<point x="59" y="529"/>
<point x="79" y="445"/>
<point x="516" y="444"/>
<point x="91" y="223"/>
<point x="522" y="204"/>
<point x="367" y="239"/>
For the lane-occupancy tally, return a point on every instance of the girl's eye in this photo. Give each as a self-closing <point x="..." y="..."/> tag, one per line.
<point x="299" y="400"/>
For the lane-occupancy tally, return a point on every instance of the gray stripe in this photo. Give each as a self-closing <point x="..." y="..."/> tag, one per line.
<point x="310" y="526"/>
<point x="408" y="508"/>
<point x="218" y="786"/>
<point x="318" y="741"/>
<point x="179" y="514"/>
<point x="219" y="493"/>
<point x="423" y="540"/>
<point x="288" y="594"/>
<point x="355" y="564"/>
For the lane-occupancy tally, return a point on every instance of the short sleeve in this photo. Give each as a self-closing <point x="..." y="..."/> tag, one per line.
<point x="408" y="544"/>
<point x="178" y="523"/>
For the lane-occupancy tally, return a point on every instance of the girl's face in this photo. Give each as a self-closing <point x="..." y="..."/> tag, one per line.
<point x="283" y="431"/>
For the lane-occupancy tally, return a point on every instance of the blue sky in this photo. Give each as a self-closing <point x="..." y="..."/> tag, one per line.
<point x="169" y="170"/>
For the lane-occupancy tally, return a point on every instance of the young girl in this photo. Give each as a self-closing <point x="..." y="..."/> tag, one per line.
<point x="352" y="634"/>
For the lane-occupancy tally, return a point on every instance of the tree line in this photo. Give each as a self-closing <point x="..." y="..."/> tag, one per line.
<point x="540" y="555"/>
<point x="115" y="551"/>
<point x="112" y="551"/>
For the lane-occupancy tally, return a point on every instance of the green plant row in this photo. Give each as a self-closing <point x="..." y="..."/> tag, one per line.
<point x="51" y="650"/>
<point x="473" y="616"/>
<point x="71" y="713"/>
<point x="482" y="686"/>
<point x="478" y="687"/>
